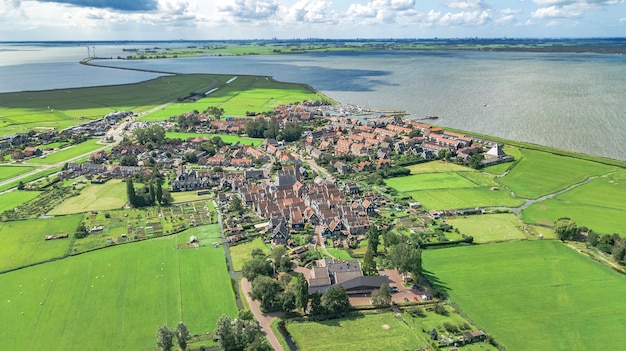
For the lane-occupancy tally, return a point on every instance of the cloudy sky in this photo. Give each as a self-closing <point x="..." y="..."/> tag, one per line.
<point x="285" y="19"/>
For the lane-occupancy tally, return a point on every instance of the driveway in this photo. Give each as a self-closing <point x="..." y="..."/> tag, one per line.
<point x="265" y="319"/>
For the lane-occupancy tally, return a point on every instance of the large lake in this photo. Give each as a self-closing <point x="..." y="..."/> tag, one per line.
<point x="570" y="101"/>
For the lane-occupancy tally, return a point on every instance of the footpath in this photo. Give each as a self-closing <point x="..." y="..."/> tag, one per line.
<point x="265" y="319"/>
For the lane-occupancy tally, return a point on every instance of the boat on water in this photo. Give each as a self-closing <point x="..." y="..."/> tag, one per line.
<point x="431" y="117"/>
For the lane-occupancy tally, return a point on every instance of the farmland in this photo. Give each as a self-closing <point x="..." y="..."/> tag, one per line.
<point x="22" y="242"/>
<point x="597" y="205"/>
<point x="7" y="172"/>
<point x="143" y="285"/>
<point x="534" y="295"/>
<point x="227" y="138"/>
<point x="68" y="153"/>
<point x="241" y="253"/>
<point x="539" y="173"/>
<point x="108" y="196"/>
<point x="12" y="199"/>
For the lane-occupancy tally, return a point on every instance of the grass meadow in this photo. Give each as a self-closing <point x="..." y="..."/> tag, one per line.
<point x="7" y="172"/>
<point x="115" y="298"/>
<point x="490" y="227"/>
<point x="242" y="95"/>
<point x="95" y="197"/>
<point x="12" y="199"/>
<point x="598" y="205"/>
<point x="68" y="153"/>
<point x="443" y="185"/>
<point x="534" y="295"/>
<point x="22" y="242"/>
<point x="227" y="138"/>
<point x="540" y="173"/>
<point x="61" y="108"/>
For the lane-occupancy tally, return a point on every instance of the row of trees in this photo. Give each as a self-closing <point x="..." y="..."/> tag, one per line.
<point x="240" y="334"/>
<point x="615" y="245"/>
<point x="403" y="254"/>
<point x="261" y="128"/>
<point x="151" y="194"/>
<point x="165" y="337"/>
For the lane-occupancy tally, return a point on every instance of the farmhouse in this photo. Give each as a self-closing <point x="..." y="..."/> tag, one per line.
<point x="348" y="274"/>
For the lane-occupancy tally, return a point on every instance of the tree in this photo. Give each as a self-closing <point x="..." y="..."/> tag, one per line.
<point x="235" y="205"/>
<point x="407" y="258"/>
<point x="369" y="265"/>
<point x="565" y="229"/>
<point x="236" y="335"/>
<point x="130" y="192"/>
<point x="256" y="267"/>
<point x="381" y="297"/>
<point x="316" y="304"/>
<point x="245" y="315"/>
<point x="158" y="192"/>
<point x="164" y="338"/>
<point x="266" y="290"/>
<point x="191" y="157"/>
<point x="259" y="344"/>
<point x="272" y="129"/>
<point x="373" y="238"/>
<point x="302" y="292"/>
<point x="335" y="300"/>
<point x="20" y="185"/>
<point x="128" y="160"/>
<point x="288" y="301"/>
<point x="292" y="132"/>
<point x="182" y="335"/>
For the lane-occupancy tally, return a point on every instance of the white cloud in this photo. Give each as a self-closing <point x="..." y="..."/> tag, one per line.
<point x="465" y="18"/>
<point x="311" y="11"/>
<point x="396" y="12"/>
<point x="467" y="5"/>
<point x="248" y="10"/>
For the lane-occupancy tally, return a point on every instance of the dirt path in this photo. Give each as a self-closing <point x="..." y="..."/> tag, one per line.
<point x="265" y="319"/>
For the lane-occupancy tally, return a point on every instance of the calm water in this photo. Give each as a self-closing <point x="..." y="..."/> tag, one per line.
<point x="570" y="101"/>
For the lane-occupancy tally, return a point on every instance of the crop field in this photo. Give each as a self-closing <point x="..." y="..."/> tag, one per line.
<point x="227" y="138"/>
<point x="540" y="173"/>
<point x="30" y="178"/>
<point x="441" y="199"/>
<point x="10" y="200"/>
<point x="68" y="153"/>
<point x="142" y="285"/>
<point x="22" y="242"/>
<point x="598" y="205"/>
<point x="7" y="172"/>
<point x="534" y="295"/>
<point x="95" y="197"/>
<point x="240" y="254"/>
<point x="490" y="227"/>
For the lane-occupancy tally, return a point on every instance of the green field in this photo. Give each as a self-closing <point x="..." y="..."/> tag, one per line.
<point x="61" y="108"/>
<point x="124" y="293"/>
<point x="429" y="181"/>
<point x="598" y="205"/>
<point x="244" y="94"/>
<point x="186" y="196"/>
<point x="373" y="331"/>
<point x="540" y="173"/>
<point x="441" y="199"/>
<point x="240" y="254"/>
<point x="437" y="167"/>
<point x="10" y="200"/>
<point x="68" y="153"/>
<point x="95" y="197"/>
<point x="534" y="295"/>
<point x="22" y="242"/>
<point x="7" y="172"/>
<point x="227" y="138"/>
<point x="488" y="228"/>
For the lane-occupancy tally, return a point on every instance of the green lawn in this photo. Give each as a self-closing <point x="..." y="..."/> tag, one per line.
<point x="10" y="200"/>
<point x="7" y="172"/>
<point x="488" y="228"/>
<point x="95" y="197"/>
<point x="540" y="173"/>
<point x="340" y="254"/>
<point x="124" y="293"/>
<point x="186" y="196"/>
<point x="22" y="242"/>
<point x="241" y="253"/>
<point x="534" y="295"/>
<point x="598" y="205"/>
<point x="227" y="138"/>
<point x="437" y="167"/>
<point x="68" y="153"/>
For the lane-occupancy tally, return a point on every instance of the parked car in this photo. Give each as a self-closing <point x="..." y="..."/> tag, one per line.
<point x="394" y="289"/>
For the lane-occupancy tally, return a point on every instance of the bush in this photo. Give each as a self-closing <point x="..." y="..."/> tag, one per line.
<point x="450" y="328"/>
<point x="440" y="309"/>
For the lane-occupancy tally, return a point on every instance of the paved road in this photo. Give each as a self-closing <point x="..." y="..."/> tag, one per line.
<point x="265" y="319"/>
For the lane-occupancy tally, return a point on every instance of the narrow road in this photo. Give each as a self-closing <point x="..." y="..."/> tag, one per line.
<point x="265" y="319"/>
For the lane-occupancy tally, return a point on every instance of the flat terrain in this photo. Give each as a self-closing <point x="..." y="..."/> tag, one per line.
<point x="488" y="228"/>
<point x="142" y="285"/>
<point x="68" y="153"/>
<point x="95" y="197"/>
<point x="227" y="138"/>
<point x="541" y="173"/>
<point x="12" y="199"/>
<point x="534" y="295"/>
<point x="240" y="254"/>
<point x="7" y="172"/>
<point x="598" y="205"/>
<point x="22" y="242"/>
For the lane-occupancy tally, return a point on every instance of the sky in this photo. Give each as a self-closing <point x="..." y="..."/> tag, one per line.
<point x="40" y="20"/>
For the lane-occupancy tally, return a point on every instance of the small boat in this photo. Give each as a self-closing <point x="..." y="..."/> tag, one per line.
<point x="431" y="117"/>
